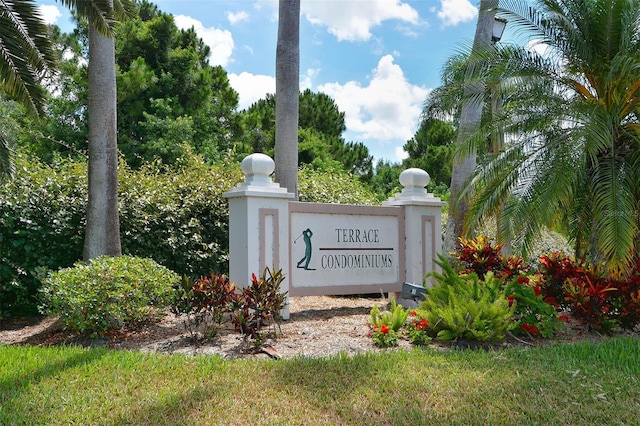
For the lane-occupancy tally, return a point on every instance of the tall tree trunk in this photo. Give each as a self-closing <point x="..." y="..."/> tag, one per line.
<point x="287" y="94"/>
<point x="102" y="235"/>
<point x="470" y="116"/>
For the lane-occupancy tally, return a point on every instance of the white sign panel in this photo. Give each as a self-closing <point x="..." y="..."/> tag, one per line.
<point x="344" y="247"/>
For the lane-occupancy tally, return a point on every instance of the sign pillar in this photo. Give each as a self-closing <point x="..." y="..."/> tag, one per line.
<point x="258" y="224"/>
<point x="423" y="224"/>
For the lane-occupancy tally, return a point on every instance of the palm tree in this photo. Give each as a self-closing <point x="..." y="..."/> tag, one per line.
<point x="26" y="57"/>
<point x="464" y="163"/>
<point x="102" y="231"/>
<point x="572" y="133"/>
<point x="287" y="94"/>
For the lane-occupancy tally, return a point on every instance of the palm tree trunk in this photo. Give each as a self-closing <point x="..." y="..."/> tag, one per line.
<point x="470" y="116"/>
<point x="287" y="94"/>
<point x="102" y="235"/>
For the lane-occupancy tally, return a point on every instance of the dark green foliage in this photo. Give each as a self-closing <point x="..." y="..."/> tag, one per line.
<point x="170" y="99"/>
<point x="431" y="149"/>
<point x="41" y="226"/>
<point x="179" y="219"/>
<point x="321" y="124"/>
<point x="107" y="293"/>
<point x="336" y="186"/>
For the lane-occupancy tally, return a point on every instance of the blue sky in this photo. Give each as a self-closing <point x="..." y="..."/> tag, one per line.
<point x="377" y="58"/>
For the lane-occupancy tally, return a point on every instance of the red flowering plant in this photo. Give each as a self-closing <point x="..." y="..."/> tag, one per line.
<point x="591" y="300"/>
<point x="383" y="336"/>
<point x="627" y="302"/>
<point x="417" y="329"/>
<point x="385" y="326"/>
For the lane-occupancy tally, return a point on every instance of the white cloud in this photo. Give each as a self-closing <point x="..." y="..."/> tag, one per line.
<point x="454" y="12"/>
<point x="50" y="13"/>
<point x="237" y="17"/>
<point x="220" y="41"/>
<point x="401" y="154"/>
<point x="251" y="87"/>
<point x="385" y="111"/>
<point x="353" y="20"/>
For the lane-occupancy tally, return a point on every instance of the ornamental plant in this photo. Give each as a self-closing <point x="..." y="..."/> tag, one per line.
<point x="383" y="336"/>
<point x="480" y="256"/>
<point x="417" y="329"/>
<point x="385" y="326"/>
<point x="258" y="306"/>
<point x="599" y="301"/>
<point x="107" y="293"/>
<point x="533" y="316"/>
<point x="394" y="318"/>
<point x="464" y="307"/>
<point x="204" y="304"/>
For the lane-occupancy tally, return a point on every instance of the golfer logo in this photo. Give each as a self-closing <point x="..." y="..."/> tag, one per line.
<point x="304" y="262"/>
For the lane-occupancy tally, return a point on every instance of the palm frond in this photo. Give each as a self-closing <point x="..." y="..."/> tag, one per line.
<point x="102" y="14"/>
<point x="26" y="55"/>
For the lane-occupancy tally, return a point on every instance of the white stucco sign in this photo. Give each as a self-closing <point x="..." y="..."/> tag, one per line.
<point x="326" y="249"/>
<point x="346" y="248"/>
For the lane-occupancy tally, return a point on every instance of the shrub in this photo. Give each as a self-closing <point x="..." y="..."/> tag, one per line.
<point x="258" y="306"/>
<point x="204" y="303"/>
<point x="332" y="187"/>
<point x="596" y="299"/>
<point x="480" y="256"/>
<point x="107" y="292"/>
<point x="461" y="306"/>
<point x="533" y="315"/>
<point x="41" y="226"/>
<point x="176" y="217"/>
<point x="386" y="325"/>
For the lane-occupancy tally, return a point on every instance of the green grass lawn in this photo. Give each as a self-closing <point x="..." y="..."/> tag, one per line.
<point x="579" y="384"/>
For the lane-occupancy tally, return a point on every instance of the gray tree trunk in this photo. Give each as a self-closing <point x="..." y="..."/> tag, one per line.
<point x="102" y="236"/>
<point x="470" y="116"/>
<point x="287" y="94"/>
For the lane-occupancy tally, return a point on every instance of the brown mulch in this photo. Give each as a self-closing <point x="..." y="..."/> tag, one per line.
<point x="319" y="326"/>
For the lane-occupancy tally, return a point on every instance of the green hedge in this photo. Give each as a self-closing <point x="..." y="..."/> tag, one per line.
<point x="177" y="218"/>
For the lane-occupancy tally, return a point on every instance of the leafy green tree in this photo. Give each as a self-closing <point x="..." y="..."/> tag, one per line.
<point x="572" y="144"/>
<point x="169" y="97"/>
<point x="170" y="100"/>
<point x="386" y="179"/>
<point x="431" y="149"/>
<point x="321" y="124"/>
